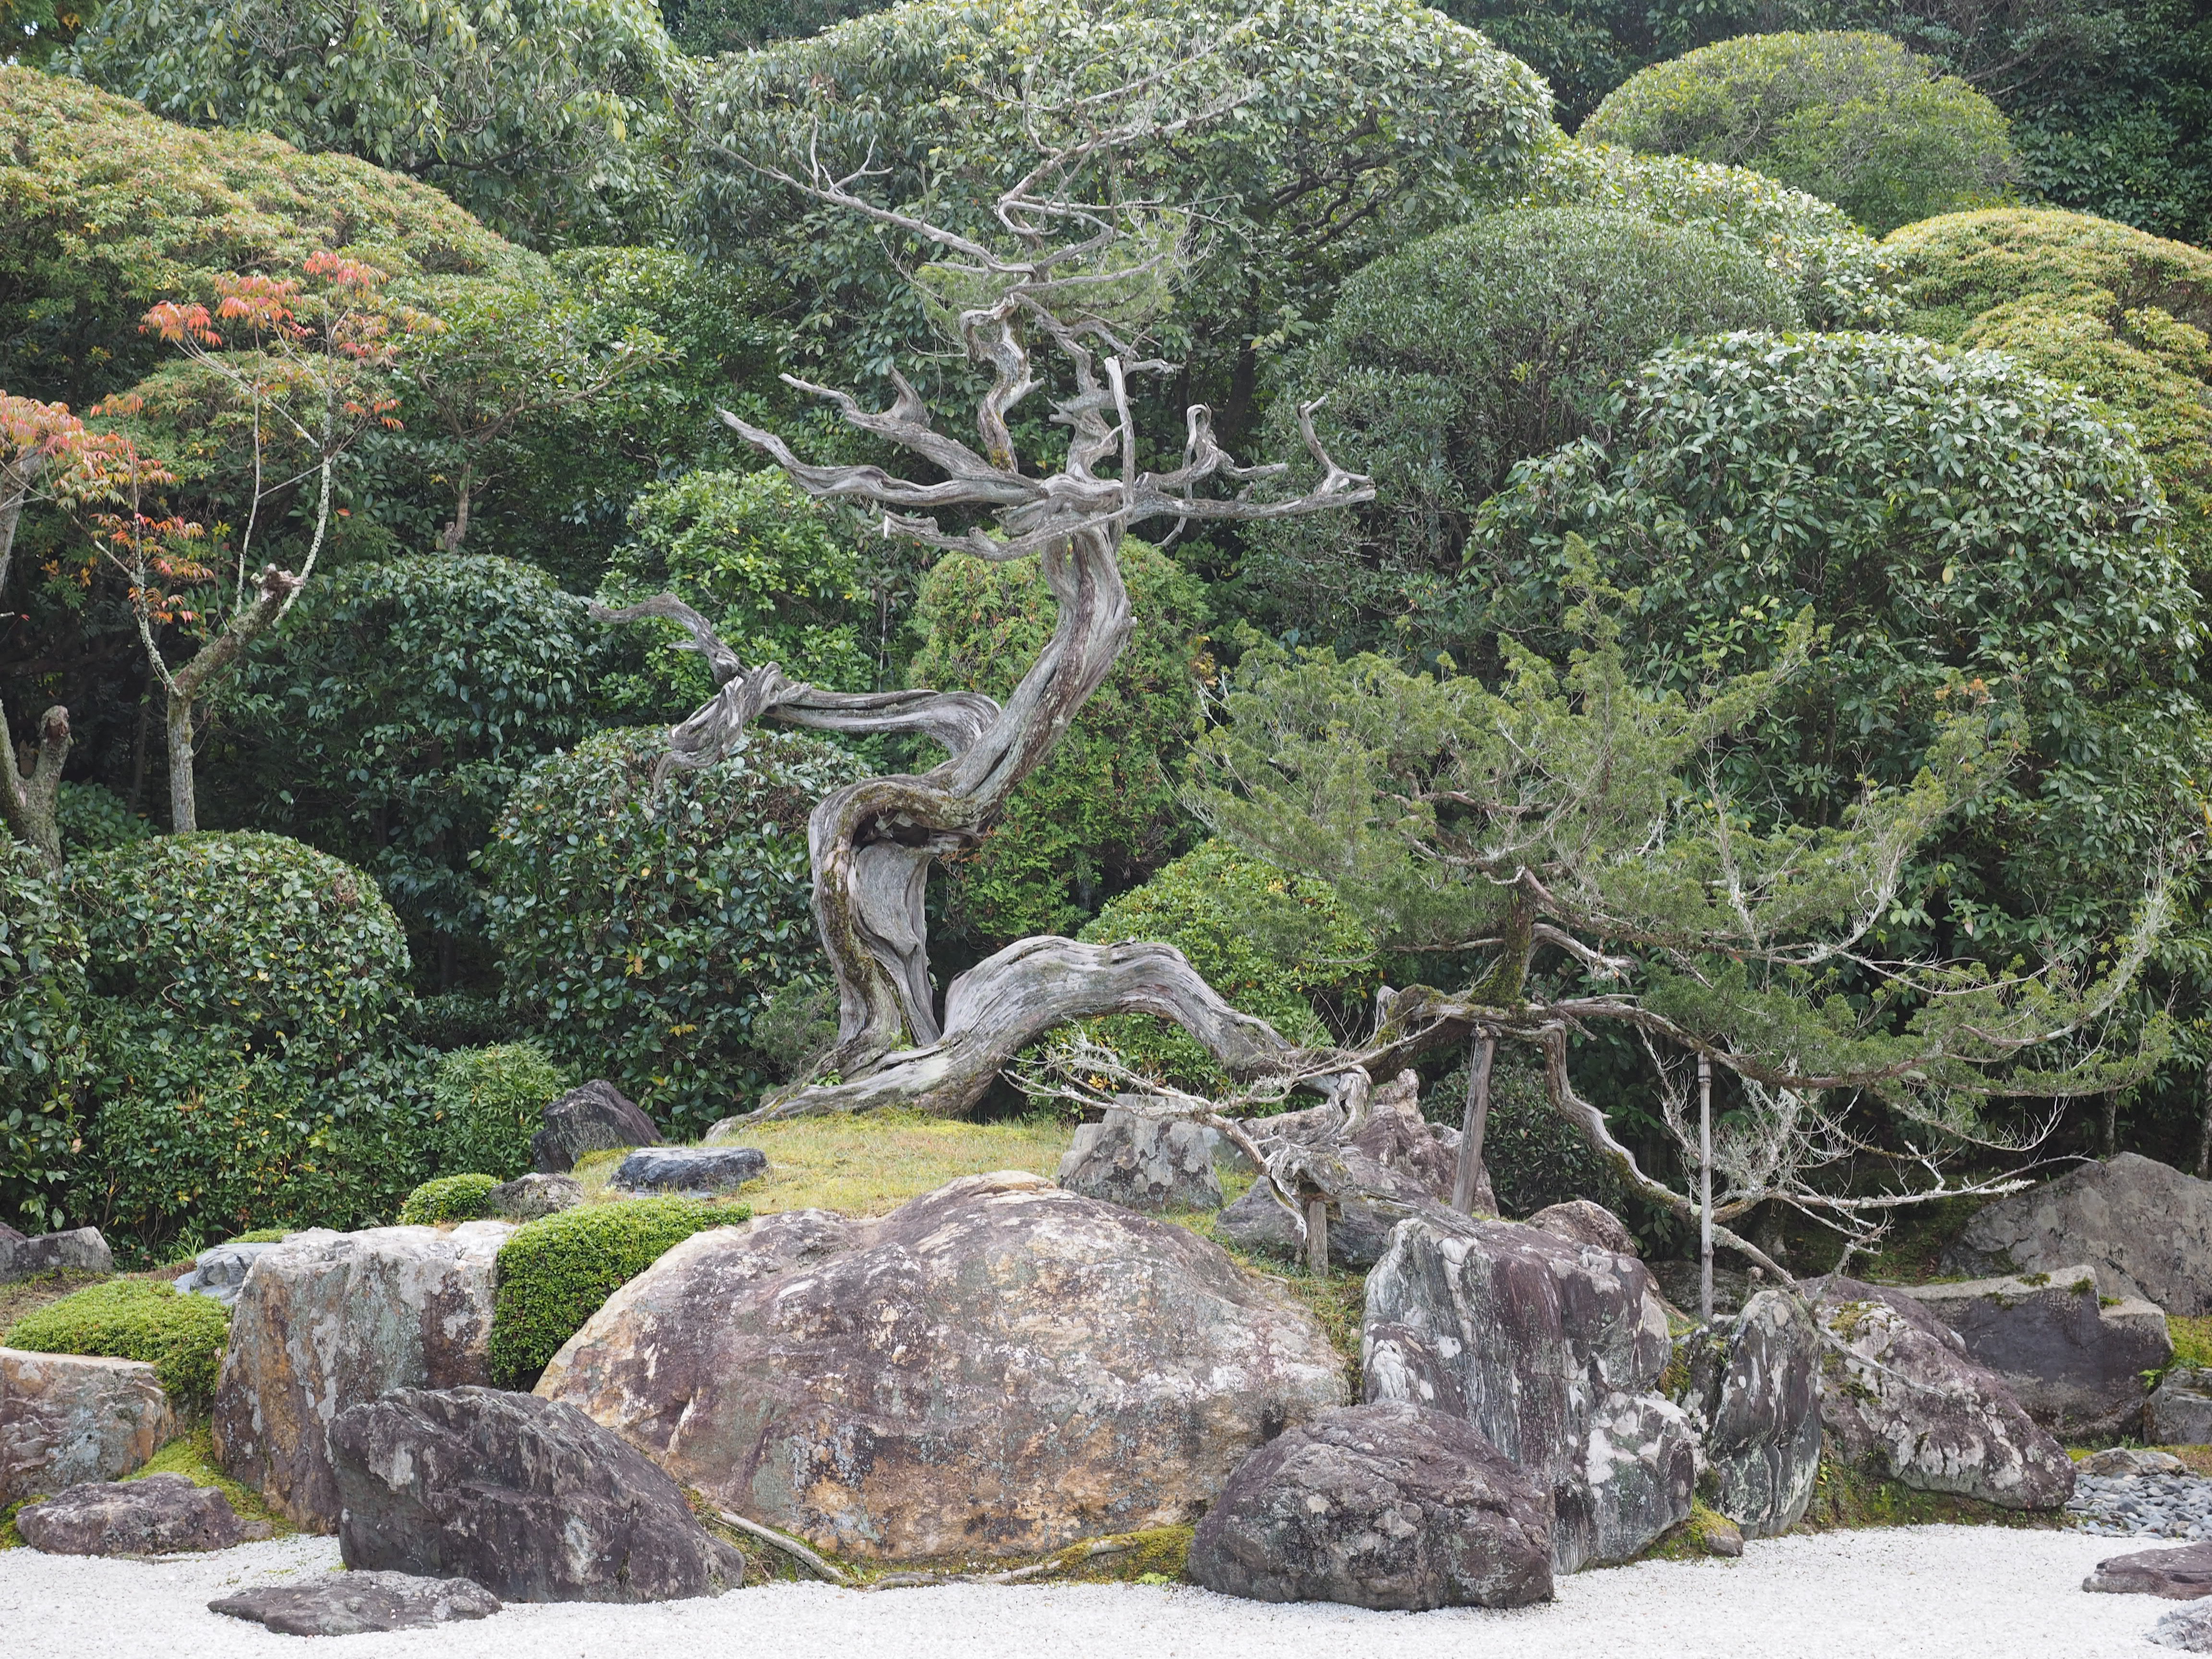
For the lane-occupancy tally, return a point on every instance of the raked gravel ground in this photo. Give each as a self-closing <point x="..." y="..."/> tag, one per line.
<point x="1915" y="1593"/>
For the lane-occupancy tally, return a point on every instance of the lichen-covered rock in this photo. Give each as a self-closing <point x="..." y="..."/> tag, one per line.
<point x="220" y="1272"/>
<point x="67" y="1418"/>
<point x="595" y="1118"/>
<point x="999" y="1368"/>
<point x="1391" y="1506"/>
<point x="159" y="1515"/>
<point x="690" y="1171"/>
<point x="526" y="1497"/>
<point x="1581" y="1222"/>
<point x="1143" y="1163"/>
<point x="2143" y="1225"/>
<point x="80" y="1250"/>
<point x="2180" y="1411"/>
<point x="355" y="1603"/>
<point x="533" y="1197"/>
<point x="2178" y="1575"/>
<point x="1898" y="1393"/>
<point x="1552" y="1350"/>
<point x="2075" y="1360"/>
<point x="329" y="1319"/>
<point x="1754" y="1392"/>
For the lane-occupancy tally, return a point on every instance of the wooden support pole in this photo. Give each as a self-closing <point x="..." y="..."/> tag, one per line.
<point x="1704" y="1189"/>
<point x="1472" y="1126"/>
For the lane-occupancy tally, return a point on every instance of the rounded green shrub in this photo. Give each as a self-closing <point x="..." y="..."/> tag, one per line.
<point x="638" y="924"/>
<point x="1855" y="119"/>
<point x="556" y="1272"/>
<point x="42" y="1039"/>
<point x="1102" y="814"/>
<point x="182" y="1337"/>
<point x="448" y="1198"/>
<point x="1277" y="945"/>
<point x="485" y="1103"/>
<point x="1445" y="364"/>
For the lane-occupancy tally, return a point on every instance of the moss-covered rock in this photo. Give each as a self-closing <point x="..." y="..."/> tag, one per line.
<point x="182" y="1337"/>
<point x="449" y="1198"/>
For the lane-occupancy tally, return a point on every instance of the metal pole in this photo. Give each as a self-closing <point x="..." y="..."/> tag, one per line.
<point x="1705" y="1188"/>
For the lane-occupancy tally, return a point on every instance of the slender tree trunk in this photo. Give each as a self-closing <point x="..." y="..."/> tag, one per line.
<point x="187" y="684"/>
<point x="184" y="802"/>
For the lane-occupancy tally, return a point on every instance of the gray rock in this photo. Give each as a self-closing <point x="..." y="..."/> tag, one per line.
<point x="2189" y="1629"/>
<point x="1144" y="1162"/>
<point x="1552" y="1350"/>
<point x="354" y="1603"/>
<point x="2074" y="1363"/>
<point x="1392" y="1506"/>
<point x="2177" y="1575"/>
<point x="67" y="1418"/>
<point x="8" y="1235"/>
<point x="2179" y="1413"/>
<point x="595" y="1118"/>
<point x="160" y="1515"/>
<point x="328" y="1319"/>
<point x="527" y="1496"/>
<point x="1755" y="1394"/>
<point x="2124" y="1462"/>
<point x="221" y="1271"/>
<point x="1581" y="1222"/>
<point x="1902" y="1396"/>
<point x="532" y="1197"/>
<point x="999" y="1368"/>
<point x="80" y="1250"/>
<point x="692" y="1171"/>
<point x="2144" y="1226"/>
<point x="1679" y="1283"/>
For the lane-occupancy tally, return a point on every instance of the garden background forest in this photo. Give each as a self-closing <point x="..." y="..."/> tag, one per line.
<point x="351" y="353"/>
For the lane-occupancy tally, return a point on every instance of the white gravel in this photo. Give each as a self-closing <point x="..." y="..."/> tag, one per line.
<point x="1915" y="1593"/>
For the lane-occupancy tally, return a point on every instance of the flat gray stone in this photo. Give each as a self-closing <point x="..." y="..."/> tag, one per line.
<point x="221" y="1271"/>
<point x="80" y="1250"/>
<point x="2120" y="1462"/>
<point x="532" y="1197"/>
<point x="354" y="1603"/>
<point x="2178" y="1575"/>
<point x="692" y="1171"/>
<point x="160" y="1515"/>
<point x="1144" y="1162"/>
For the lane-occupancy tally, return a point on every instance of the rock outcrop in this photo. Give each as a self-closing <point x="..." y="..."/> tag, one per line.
<point x="2178" y="1575"/>
<point x="2179" y="1411"/>
<point x="1898" y="1393"/>
<point x="595" y="1118"/>
<point x="1581" y="1222"/>
<point x="1392" y="1506"/>
<point x="534" y="1197"/>
<point x="220" y="1272"/>
<point x="999" y="1368"/>
<point x="2075" y="1360"/>
<point x="355" y="1603"/>
<point x="690" y="1171"/>
<point x="1144" y="1162"/>
<point x="526" y="1497"/>
<point x="329" y="1319"/>
<point x="157" y="1515"/>
<point x="2144" y="1226"/>
<point x="67" y="1419"/>
<point x="80" y="1250"/>
<point x="1553" y="1351"/>
<point x="1754" y="1392"/>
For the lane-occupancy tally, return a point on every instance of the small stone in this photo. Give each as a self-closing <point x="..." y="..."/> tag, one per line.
<point x="352" y="1603"/>
<point x="160" y="1515"/>
<point x="1144" y="1162"/>
<point x="692" y="1171"/>
<point x="81" y="1250"/>
<point x="1722" y="1537"/>
<point x="533" y="1197"/>
<point x="2178" y="1575"/>
<point x="2123" y="1461"/>
<point x="595" y="1118"/>
<point x="221" y="1271"/>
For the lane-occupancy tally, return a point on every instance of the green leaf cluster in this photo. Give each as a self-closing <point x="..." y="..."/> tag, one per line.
<point x="42" y="1037"/>
<point x="485" y="1104"/>
<point x="448" y="1198"/>
<point x="182" y="1337"/>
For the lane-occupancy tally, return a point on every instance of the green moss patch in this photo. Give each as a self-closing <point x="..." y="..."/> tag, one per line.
<point x="192" y="1455"/>
<point x="182" y="1337"/>
<point x="1690" y="1539"/>
<point x="449" y="1198"/>
<point x="1845" y="1496"/>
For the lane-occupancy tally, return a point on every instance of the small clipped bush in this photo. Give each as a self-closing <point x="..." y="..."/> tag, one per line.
<point x="1279" y="946"/>
<point x="182" y="1337"/>
<point x="638" y="925"/>
<point x="1855" y="119"/>
<point x="557" y="1272"/>
<point x="42" y="1039"/>
<point x="96" y="820"/>
<point x="448" y="1198"/>
<point x="485" y="1103"/>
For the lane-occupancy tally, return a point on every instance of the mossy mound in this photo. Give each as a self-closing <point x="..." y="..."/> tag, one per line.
<point x="449" y="1198"/>
<point x="182" y="1337"/>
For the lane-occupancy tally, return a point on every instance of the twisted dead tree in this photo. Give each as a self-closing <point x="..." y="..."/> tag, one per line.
<point x="873" y="843"/>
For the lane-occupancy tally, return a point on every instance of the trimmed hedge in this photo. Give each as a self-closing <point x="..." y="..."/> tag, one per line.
<point x="556" y="1272"/>
<point x="182" y="1337"/>
<point x="448" y="1198"/>
<point x="485" y="1103"/>
<point x="42" y="1040"/>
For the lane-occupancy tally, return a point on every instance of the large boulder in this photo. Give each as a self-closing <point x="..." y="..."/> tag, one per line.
<point x="1899" y="1393"/>
<point x="2143" y="1225"/>
<point x="158" y="1514"/>
<point x="1392" y="1506"/>
<point x="355" y="1603"/>
<point x="595" y="1118"/>
<point x="998" y="1369"/>
<point x="1553" y="1351"/>
<point x="80" y="1250"/>
<point x="1754" y="1392"/>
<point x="220" y="1272"/>
<point x="329" y="1319"/>
<point x="1144" y="1162"/>
<point x="526" y="1497"/>
<point x="67" y="1418"/>
<point x="2180" y="1411"/>
<point x="2076" y="1359"/>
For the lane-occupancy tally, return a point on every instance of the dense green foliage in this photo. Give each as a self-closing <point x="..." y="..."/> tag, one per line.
<point x="1277" y="945"/>
<point x="1853" y="119"/>
<point x="42" y="956"/>
<point x="485" y="1104"/>
<point x="448" y="1197"/>
<point x="97" y="820"/>
<point x="556" y="1272"/>
<point x="637" y="924"/>
<point x="182" y="1337"/>
<point x="1101" y="814"/>
<point x="1446" y="364"/>
<point x="1534" y="1157"/>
